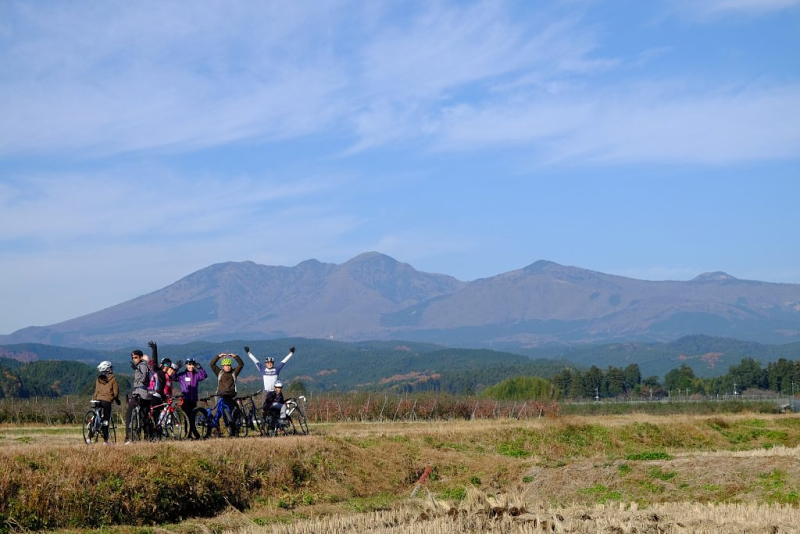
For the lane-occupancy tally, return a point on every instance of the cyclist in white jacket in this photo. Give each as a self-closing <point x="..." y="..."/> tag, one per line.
<point x="269" y="369"/>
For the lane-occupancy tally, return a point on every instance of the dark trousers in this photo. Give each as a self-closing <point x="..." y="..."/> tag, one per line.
<point x="106" y="406"/>
<point x="188" y="407"/>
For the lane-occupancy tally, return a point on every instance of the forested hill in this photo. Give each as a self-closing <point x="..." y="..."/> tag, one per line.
<point x="325" y="365"/>
<point x="45" y="378"/>
<point x="321" y="365"/>
<point x="709" y="356"/>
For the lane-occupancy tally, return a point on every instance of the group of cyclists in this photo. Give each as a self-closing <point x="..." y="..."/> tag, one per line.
<point x="153" y="383"/>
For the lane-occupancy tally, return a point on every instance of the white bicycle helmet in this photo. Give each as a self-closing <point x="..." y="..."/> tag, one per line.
<point x="278" y="384"/>
<point x="105" y="367"/>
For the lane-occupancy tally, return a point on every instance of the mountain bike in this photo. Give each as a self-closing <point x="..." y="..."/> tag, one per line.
<point x="93" y="425"/>
<point x="172" y="423"/>
<point x="141" y="425"/>
<point x="250" y="415"/>
<point x="298" y="422"/>
<point x="295" y="422"/>
<point x="207" y="420"/>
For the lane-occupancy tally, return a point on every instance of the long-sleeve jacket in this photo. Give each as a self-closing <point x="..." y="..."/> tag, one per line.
<point x="106" y="388"/>
<point x="270" y="376"/>
<point x="141" y="379"/>
<point x="227" y="380"/>
<point x="189" y="382"/>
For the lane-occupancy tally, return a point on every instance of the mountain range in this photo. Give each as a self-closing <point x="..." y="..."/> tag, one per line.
<point x="375" y="297"/>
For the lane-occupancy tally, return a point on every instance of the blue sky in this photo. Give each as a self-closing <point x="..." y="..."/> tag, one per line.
<point x="142" y="141"/>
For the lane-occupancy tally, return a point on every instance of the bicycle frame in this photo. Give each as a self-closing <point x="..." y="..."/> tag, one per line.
<point x="93" y="424"/>
<point x="211" y="416"/>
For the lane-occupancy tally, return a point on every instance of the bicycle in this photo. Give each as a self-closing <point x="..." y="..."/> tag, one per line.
<point x="172" y="423"/>
<point x="93" y="425"/>
<point x="295" y="415"/>
<point x="250" y="419"/>
<point x="207" y="420"/>
<point x="141" y="425"/>
<point x="296" y="422"/>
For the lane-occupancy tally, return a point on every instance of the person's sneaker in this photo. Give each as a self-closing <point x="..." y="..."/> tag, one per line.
<point x="128" y="442"/>
<point x="88" y="441"/>
<point x="106" y="443"/>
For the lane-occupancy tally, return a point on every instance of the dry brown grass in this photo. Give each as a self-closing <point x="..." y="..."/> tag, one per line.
<point x="576" y="468"/>
<point x="516" y="515"/>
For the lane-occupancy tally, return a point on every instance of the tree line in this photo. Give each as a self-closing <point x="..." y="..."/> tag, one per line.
<point x="782" y="377"/>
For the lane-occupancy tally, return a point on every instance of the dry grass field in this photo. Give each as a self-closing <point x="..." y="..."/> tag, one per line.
<point x="636" y="473"/>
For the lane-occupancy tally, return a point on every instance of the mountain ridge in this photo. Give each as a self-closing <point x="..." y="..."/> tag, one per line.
<point x="374" y="296"/>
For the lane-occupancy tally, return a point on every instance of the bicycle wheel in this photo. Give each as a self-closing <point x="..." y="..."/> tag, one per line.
<point x="136" y="424"/>
<point x="270" y="425"/>
<point x="201" y="422"/>
<point x="171" y="427"/>
<point x="112" y="430"/>
<point x="302" y="421"/>
<point x="90" y="433"/>
<point x="182" y="423"/>
<point x="243" y="424"/>
<point x="228" y="424"/>
<point x="256" y="423"/>
<point x="290" y="427"/>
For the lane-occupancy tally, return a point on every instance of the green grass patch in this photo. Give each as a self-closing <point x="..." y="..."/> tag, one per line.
<point x="648" y="456"/>
<point x="458" y="493"/>
<point x="602" y="494"/>
<point x="657" y="472"/>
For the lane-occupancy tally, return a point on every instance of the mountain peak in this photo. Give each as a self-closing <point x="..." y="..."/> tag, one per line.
<point x="539" y="266"/>
<point x="371" y="256"/>
<point x="716" y="276"/>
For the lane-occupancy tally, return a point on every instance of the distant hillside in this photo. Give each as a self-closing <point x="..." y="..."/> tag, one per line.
<point x="323" y="365"/>
<point x="45" y="378"/>
<point x="707" y="356"/>
<point x="374" y="296"/>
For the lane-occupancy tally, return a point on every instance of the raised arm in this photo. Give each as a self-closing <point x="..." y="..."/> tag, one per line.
<point x="254" y="359"/>
<point x="214" y="367"/>
<point x="154" y="349"/>
<point x="291" y="353"/>
<point x="239" y="364"/>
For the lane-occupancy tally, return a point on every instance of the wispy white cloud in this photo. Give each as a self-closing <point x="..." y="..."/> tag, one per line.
<point x="655" y="122"/>
<point x="710" y="8"/>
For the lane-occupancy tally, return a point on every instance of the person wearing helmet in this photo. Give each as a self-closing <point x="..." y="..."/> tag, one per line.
<point x="270" y="371"/>
<point x="226" y="376"/>
<point x="189" y="381"/>
<point x="275" y="408"/>
<point x="106" y="390"/>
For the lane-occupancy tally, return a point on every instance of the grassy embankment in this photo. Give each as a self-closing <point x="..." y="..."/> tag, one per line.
<point x="52" y="481"/>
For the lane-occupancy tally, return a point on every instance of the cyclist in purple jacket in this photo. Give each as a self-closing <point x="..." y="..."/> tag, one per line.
<point x="189" y="380"/>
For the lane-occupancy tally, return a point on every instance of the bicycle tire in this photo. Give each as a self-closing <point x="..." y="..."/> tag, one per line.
<point x="89" y="428"/>
<point x="201" y="422"/>
<point x="183" y="422"/>
<point x="227" y="425"/>
<point x="243" y="424"/>
<point x="257" y="424"/>
<point x="171" y="427"/>
<point x="290" y="426"/>
<point x="302" y="421"/>
<point x="136" y="424"/>
<point x="112" y="430"/>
